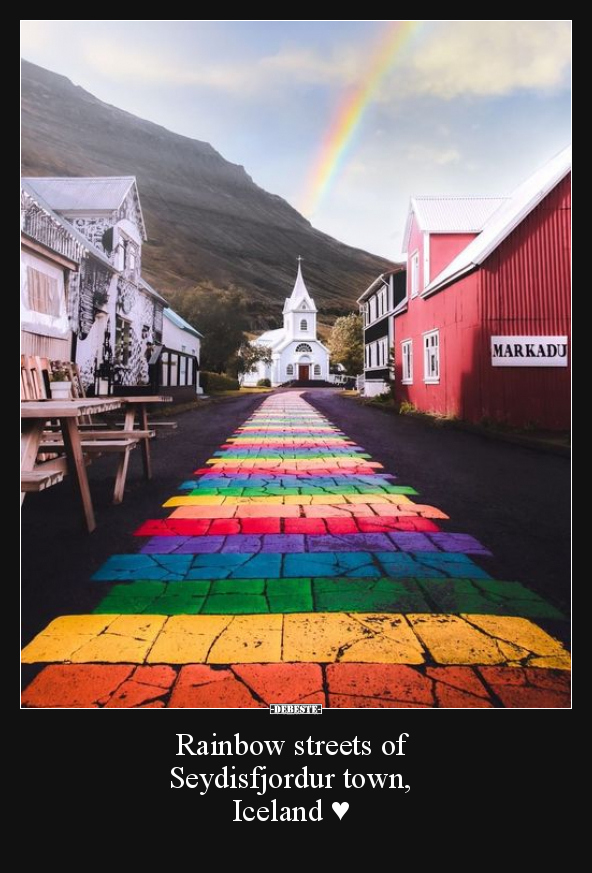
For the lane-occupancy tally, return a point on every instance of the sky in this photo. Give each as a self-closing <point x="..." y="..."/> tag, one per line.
<point x="344" y="119"/>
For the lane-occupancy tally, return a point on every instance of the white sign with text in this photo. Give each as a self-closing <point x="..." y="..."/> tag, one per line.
<point x="529" y="351"/>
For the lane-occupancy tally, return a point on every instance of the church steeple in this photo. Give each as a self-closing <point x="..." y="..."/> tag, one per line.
<point x="299" y="299"/>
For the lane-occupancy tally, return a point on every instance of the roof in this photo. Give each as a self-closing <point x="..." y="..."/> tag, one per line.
<point x="299" y="293"/>
<point x="85" y="193"/>
<point x="179" y="322"/>
<point x="437" y="214"/>
<point x="501" y="224"/>
<point x="378" y="281"/>
<point x="84" y="242"/>
<point x="147" y="287"/>
<point x="270" y="336"/>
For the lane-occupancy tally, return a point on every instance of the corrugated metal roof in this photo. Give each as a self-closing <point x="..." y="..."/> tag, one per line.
<point x="514" y="210"/>
<point x="85" y="193"/>
<point x="438" y="214"/>
<point x="84" y="242"/>
<point x="463" y="214"/>
<point x="179" y="322"/>
<point x="75" y="192"/>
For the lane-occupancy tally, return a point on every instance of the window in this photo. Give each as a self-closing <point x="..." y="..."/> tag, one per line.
<point x="414" y="274"/>
<point x="43" y="293"/>
<point x="431" y="357"/>
<point x="407" y="357"/>
<point x="317" y="369"/>
<point x="304" y="324"/>
<point x="123" y="341"/>
<point x="290" y="370"/>
<point x="369" y="356"/>
<point x="303" y="347"/>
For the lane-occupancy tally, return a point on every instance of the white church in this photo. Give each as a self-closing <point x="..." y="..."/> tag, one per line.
<point x="297" y="354"/>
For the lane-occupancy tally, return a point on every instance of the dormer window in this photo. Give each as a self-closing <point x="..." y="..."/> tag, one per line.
<point x="304" y="324"/>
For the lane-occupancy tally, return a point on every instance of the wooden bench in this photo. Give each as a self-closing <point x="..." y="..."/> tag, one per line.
<point x="39" y="480"/>
<point x="99" y="447"/>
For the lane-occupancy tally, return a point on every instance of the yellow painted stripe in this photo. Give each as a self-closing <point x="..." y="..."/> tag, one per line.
<point x="303" y="637"/>
<point x="290" y="500"/>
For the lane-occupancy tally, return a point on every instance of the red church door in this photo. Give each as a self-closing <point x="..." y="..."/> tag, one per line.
<point x="303" y="372"/>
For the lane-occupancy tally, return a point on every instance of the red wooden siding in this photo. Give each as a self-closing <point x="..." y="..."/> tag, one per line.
<point x="444" y="247"/>
<point x="522" y="289"/>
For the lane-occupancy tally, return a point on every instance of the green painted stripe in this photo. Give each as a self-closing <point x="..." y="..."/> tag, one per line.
<point x="255" y="596"/>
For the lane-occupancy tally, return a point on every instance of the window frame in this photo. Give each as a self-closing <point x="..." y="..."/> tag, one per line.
<point x="428" y="353"/>
<point x="407" y="362"/>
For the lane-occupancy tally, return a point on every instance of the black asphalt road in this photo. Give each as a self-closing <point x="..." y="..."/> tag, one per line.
<point x="515" y="500"/>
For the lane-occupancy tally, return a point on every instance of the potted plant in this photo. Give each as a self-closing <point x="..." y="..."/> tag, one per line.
<point x="61" y="385"/>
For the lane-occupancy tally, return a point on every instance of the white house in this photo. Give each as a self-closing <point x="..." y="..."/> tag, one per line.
<point x="297" y="354"/>
<point x="179" y="336"/>
<point x="115" y="315"/>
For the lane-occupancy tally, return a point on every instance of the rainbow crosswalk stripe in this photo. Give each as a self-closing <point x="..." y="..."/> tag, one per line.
<point x="292" y="568"/>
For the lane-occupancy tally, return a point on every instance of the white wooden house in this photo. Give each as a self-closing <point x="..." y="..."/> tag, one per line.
<point x="182" y="350"/>
<point x="61" y="272"/>
<point x="119" y="319"/>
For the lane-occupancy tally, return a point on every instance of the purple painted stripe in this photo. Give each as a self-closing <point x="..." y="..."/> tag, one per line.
<point x="293" y="543"/>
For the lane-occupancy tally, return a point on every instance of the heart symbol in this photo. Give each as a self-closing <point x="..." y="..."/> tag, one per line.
<point x="340" y="809"/>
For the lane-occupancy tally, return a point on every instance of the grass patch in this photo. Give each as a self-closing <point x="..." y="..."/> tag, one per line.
<point x="240" y="392"/>
<point x="527" y="436"/>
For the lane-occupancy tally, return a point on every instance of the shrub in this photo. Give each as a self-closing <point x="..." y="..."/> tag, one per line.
<point x="264" y="383"/>
<point x="385" y="397"/>
<point x="212" y="382"/>
<point x="406" y="408"/>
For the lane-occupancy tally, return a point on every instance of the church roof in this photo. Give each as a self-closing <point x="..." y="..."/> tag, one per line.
<point x="271" y="337"/>
<point x="299" y="295"/>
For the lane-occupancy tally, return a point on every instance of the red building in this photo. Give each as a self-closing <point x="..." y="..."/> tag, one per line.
<point x="483" y="333"/>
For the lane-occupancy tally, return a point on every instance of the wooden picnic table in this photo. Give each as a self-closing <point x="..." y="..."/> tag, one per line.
<point x="35" y="414"/>
<point x="138" y="404"/>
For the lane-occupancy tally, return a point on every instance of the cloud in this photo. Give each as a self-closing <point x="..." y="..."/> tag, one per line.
<point x="118" y="61"/>
<point x="35" y="35"/>
<point x="423" y="154"/>
<point x="445" y="59"/>
<point x="488" y="58"/>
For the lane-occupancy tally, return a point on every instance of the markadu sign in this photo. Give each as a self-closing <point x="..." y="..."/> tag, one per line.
<point x="529" y="351"/>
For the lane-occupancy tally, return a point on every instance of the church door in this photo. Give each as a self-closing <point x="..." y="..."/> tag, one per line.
<point x="303" y="372"/>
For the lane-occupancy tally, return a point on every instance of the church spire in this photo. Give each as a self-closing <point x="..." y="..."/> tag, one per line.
<point x="299" y="294"/>
<point x="300" y="289"/>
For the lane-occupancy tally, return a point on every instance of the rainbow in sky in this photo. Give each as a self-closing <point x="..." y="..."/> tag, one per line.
<point x="347" y="119"/>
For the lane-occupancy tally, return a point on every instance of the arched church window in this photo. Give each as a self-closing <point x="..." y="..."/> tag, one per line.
<point x="290" y="370"/>
<point x="303" y="347"/>
<point x="317" y="369"/>
<point x="304" y="324"/>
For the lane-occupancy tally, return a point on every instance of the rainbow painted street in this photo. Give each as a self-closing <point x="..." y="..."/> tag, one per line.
<point x="293" y="568"/>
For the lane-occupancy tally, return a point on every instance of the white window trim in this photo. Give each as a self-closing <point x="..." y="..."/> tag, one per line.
<point x="379" y="350"/>
<point x="426" y="260"/>
<point x="414" y="257"/>
<point x="430" y="380"/>
<point x="406" y="380"/>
